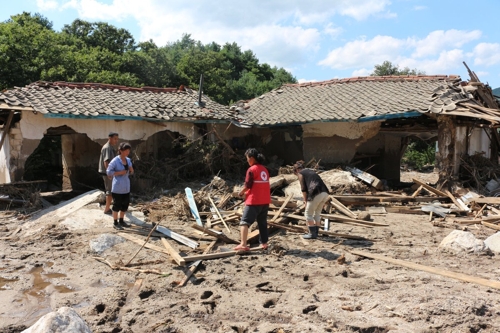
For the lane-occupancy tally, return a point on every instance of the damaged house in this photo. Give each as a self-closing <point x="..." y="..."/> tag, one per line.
<point x="60" y="127"/>
<point x="366" y="121"/>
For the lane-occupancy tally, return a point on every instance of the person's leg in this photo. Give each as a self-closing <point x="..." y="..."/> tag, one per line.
<point x="249" y="216"/>
<point x="320" y="201"/>
<point x="262" y="223"/>
<point x="116" y="209"/>
<point x="125" y="201"/>
<point x="311" y="223"/>
<point x="109" y="197"/>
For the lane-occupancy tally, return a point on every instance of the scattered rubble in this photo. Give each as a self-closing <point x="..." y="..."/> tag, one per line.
<point x="459" y="241"/>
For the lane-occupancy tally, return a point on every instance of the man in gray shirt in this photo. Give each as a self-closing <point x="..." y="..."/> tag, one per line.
<point x="108" y="152"/>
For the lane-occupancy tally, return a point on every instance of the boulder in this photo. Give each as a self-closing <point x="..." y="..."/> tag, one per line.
<point x="64" y="320"/>
<point x="493" y="242"/>
<point x="104" y="242"/>
<point x="462" y="241"/>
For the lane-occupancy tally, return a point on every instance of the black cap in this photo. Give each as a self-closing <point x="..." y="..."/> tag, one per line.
<point x="112" y="134"/>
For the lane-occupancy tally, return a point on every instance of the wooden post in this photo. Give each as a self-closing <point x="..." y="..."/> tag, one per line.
<point x="6" y="128"/>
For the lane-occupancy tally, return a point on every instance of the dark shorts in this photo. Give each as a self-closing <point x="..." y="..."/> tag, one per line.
<point x="257" y="213"/>
<point x="107" y="184"/>
<point x="120" y="202"/>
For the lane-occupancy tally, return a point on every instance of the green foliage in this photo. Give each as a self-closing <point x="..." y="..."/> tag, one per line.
<point x="387" y="68"/>
<point x="419" y="154"/>
<point x="30" y="50"/>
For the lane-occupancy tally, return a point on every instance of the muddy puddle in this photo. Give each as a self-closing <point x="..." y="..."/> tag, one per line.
<point x="41" y="282"/>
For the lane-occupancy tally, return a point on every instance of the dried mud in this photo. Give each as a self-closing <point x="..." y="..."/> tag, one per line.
<point x="296" y="285"/>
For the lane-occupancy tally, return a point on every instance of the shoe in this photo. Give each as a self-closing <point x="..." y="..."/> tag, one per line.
<point x="108" y="212"/>
<point x="313" y="233"/>
<point x="123" y="224"/>
<point x="117" y="226"/>
<point x="264" y="246"/>
<point x="241" y="248"/>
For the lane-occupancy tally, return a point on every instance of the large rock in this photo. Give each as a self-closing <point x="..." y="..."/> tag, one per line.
<point x="104" y="242"/>
<point x="460" y="241"/>
<point x="64" y="320"/>
<point x="493" y="242"/>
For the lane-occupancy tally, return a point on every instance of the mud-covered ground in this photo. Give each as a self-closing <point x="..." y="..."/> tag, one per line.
<point x="295" y="286"/>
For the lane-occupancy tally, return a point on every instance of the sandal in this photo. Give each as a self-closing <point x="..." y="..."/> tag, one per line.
<point x="241" y="248"/>
<point x="108" y="212"/>
<point x="264" y="246"/>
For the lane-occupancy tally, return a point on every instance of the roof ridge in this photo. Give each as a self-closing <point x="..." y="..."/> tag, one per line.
<point x="375" y="78"/>
<point x="91" y="85"/>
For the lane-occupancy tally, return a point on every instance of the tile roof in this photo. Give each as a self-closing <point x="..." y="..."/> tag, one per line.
<point x="94" y="100"/>
<point x="352" y="99"/>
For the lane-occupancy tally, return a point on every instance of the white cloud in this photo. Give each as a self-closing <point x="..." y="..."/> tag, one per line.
<point x="332" y="30"/>
<point x="487" y="54"/>
<point x="419" y="7"/>
<point x="437" y="53"/>
<point x="306" y="80"/>
<point x="364" y="53"/>
<point x="282" y="34"/>
<point x="362" y="72"/>
<point x="45" y="5"/>
<point x="440" y="40"/>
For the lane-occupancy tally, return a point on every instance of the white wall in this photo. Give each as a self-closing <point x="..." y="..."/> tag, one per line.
<point x="34" y="126"/>
<point x="4" y="161"/>
<point x="479" y="142"/>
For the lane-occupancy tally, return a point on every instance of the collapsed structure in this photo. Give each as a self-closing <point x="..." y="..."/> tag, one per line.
<point x="364" y="119"/>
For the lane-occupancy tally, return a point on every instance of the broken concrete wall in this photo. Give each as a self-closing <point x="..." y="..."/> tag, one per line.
<point x="33" y="126"/>
<point x="479" y="142"/>
<point x="336" y="142"/>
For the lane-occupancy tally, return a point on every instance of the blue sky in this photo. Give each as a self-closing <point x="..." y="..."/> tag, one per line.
<point x="316" y="39"/>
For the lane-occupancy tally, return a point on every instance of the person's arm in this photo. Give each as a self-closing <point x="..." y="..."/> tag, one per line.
<point x="248" y="183"/>
<point x="303" y="187"/>
<point x="130" y="166"/>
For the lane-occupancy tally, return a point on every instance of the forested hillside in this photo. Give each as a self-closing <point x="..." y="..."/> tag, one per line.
<point x="31" y="50"/>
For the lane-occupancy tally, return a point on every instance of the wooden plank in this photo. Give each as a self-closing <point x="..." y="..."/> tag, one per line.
<point x="487" y="200"/>
<point x="277" y="214"/>
<point x="192" y="205"/>
<point x="337" y="204"/>
<point x="348" y="219"/>
<point x="220" y="236"/>
<point x="218" y="213"/>
<point x="364" y="200"/>
<point x="467" y="222"/>
<point x="417" y="191"/>
<point x="490" y="225"/>
<point x="460" y="205"/>
<point x="173" y="253"/>
<point x="141" y="242"/>
<point x="433" y="270"/>
<point x="68" y="207"/>
<point x="480" y="211"/>
<point x="178" y="237"/>
<point x="195" y="265"/>
<point x="218" y="255"/>
<point x="299" y="229"/>
<point x="430" y="188"/>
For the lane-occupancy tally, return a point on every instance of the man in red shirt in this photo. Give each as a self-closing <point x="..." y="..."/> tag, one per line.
<point x="257" y="193"/>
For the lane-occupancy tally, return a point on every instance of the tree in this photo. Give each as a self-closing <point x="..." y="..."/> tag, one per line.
<point x="387" y="68"/>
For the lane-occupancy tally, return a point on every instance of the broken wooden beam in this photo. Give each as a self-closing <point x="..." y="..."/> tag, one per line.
<point x="430" y="188"/>
<point x="218" y="213"/>
<point x="364" y="200"/>
<point x="340" y="207"/>
<point x="173" y="253"/>
<point x="490" y="225"/>
<point x="141" y="242"/>
<point x="433" y="270"/>
<point x="219" y="254"/>
<point x="299" y="229"/>
<point x="195" y="265"/>
<point x="277" y="214"/>
<point x="216" y="234"/>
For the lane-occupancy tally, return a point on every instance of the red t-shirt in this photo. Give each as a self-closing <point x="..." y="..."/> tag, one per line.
<point x="257" y="180"/>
